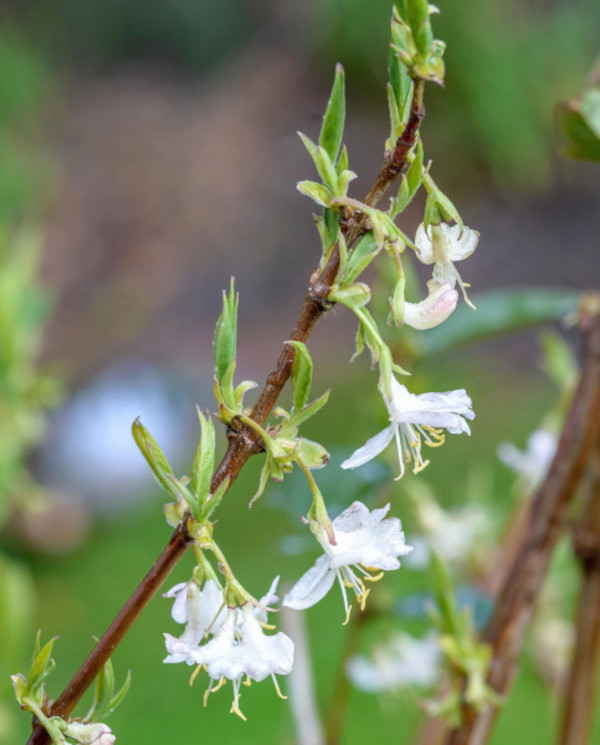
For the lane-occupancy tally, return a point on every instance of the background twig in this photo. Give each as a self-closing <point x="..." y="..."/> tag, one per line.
<point x="514" y="607"/>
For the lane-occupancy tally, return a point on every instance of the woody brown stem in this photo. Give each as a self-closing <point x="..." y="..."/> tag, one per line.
<point x="582" y="687"/>
<point x="244" y="442"/>
<point x="518" y="594"/>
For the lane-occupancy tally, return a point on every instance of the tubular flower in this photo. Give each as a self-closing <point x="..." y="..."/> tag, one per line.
<point x="443" y="244"/>
<point x="238" y="646"/>
<point x="434" y="309"/>
<point x="202" y="611"/>
<point x="364" y="542"/>
<point x="414" y="417"/>
<point x="241" y="648"/>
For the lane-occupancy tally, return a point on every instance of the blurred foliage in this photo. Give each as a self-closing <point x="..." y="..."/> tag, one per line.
<point x="578" y="120"/>
<point x="24" y="392"/>
<point x="25" y="87"/>
<point x="506" y="66"/>
<point x="187" y="34"/>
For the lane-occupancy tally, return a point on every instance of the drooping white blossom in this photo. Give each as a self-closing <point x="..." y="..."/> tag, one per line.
<point x="202" y="611"/>
<point x="241" y="649"/>
<point x="442" y="245"/>
<point x="414" y="418"/>
<point x="532" y="463"/>
<point x="434" y="309"/>
<point x="364" y="541"/>
<point x="236" y="646"/>
<point x="399" y="662"/>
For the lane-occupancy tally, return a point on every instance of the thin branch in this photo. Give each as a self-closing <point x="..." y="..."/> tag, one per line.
<point x="514" y="607"/>
<point x="580" y="704"/>
<point x="243" y="440"/>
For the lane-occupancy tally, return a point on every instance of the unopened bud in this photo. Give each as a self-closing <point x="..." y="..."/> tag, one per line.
<point x="434" y="309"/>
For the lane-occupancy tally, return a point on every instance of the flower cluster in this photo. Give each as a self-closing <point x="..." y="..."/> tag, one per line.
<point x="238" y="647"/>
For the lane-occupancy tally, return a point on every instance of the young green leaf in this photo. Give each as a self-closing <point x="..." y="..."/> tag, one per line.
<point x="42" y="664"/>
<point x="332" y="130"/>
<point x="302" y="369"/>
<point x="204" y="460"/>
<point x="300" y="416"/>
<point x="161" y="468"/>
<point x="226" y="332"/>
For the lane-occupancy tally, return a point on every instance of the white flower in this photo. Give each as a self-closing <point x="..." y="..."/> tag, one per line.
<point x="443" y="244"/>
<point x="434" y="309"/>
<point x="457" y="536"/>
<point x="531" y="464"/>
<point x="90" y="733"/>
<point x="414" y="417"/>
<point x="399" y="662"/>
<point x="364" y="542"/>
<point x="201" y="610"/>
<point x="238" y="646"/>
<point x="241" y="648"/>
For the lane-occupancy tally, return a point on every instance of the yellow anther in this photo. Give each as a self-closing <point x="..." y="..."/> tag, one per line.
<point x="194" y="675"/>
<point x="347" y="615"/>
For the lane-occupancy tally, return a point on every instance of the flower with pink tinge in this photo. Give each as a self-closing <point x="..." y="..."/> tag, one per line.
<point x="434" y="309"/>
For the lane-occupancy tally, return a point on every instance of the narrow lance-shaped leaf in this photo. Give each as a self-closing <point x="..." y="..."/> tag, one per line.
<point x="226" y="332"/>
<point x="103" y="691"/>
<point x="332" y="129"/>
<point x="302" y="369"/>
<point x="204" y="459"/>
<point x="400" y="83"/>
<point x="299" y="417"/>
<point x="417" y="15"/>
<point x="41" y="665"/>
<point x="119" y="695"/>
<point x="161" y="468"/>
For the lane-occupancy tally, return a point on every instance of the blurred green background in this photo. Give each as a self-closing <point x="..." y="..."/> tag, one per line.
<point x="153" y="146"/>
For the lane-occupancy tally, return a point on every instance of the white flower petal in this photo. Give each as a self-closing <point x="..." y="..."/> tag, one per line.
<point x="434" y="309"/>
<point x="463" y="247"/>
<point x="312" y="586"/>
<point x="370" y="449"/>
<point x="424" y="246"/>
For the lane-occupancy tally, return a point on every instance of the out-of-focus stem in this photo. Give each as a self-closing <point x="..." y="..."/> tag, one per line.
<point x="514" y="607"/>
<point x="243" y="440"/>
<point x="582" y="687"/>
<point x="336" y="711"/>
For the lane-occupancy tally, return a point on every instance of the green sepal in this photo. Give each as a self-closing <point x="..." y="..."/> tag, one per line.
<point x="226" y="332"/>
<point x="302" y="370"/>
<point x="301" y="416"/>
<point x="313" y="454"/>
<point x="203" y="464"/>
<point x="352" y="296"/>
<point x="332" y="130"/>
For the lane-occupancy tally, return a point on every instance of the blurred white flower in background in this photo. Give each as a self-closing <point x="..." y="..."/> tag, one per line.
<point x="398" y="662"/>
<point x="532" y="463"/>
